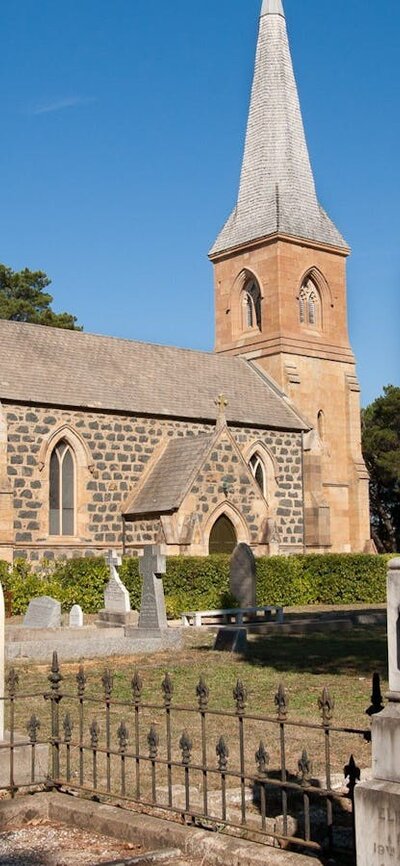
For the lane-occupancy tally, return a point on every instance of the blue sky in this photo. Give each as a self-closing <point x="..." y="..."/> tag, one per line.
<point x="123" y="127"/>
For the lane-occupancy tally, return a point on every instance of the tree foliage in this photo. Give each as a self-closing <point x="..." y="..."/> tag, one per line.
<point x="381" y="447"/>
<point x="23" y="298"/>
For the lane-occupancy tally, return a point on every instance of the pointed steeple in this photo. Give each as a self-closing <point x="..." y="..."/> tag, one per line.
<point x="272" y="7"/>
<point x="277" y="191"/>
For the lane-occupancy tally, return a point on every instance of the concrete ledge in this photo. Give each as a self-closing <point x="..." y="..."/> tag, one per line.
<point x="211" y="849"/>
<point x="92" y="643"/>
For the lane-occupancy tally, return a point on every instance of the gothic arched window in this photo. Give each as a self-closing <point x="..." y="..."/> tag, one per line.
<point x="62" y="490"/>
<point x="252" y="306"/>
<point x="310" y="305"/>
<point x="258" y="470"/>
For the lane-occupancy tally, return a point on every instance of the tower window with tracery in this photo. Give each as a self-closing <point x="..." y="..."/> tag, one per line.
<point x="252" y="306"/>
<point x="62" y="490"/>
<point x="310" y="305"/>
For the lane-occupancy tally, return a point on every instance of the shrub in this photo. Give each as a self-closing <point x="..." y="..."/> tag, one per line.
<point x="199" y="583"/>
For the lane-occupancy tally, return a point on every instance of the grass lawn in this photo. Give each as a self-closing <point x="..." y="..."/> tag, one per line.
<point x="342" y="661"/>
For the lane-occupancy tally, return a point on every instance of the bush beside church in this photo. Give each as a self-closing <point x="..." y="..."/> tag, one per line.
<point x="200" y="583"/>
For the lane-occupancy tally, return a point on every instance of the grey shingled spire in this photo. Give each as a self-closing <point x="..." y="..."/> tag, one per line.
<point x="277" y="190"/>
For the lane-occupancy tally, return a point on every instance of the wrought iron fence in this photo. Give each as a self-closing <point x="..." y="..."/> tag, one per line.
<point x="221" y="768"/>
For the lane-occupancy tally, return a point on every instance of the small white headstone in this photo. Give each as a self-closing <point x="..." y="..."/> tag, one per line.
<point x="116" y="595"/>
<point x="43" y="612"/>
<point x="2" y="640"/>
<point x="76" y="617"/>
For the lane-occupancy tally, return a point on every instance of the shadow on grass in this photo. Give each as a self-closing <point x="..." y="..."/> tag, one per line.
<point x="360" y="651"/>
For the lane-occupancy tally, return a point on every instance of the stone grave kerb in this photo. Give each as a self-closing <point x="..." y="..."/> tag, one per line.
<point x="152" y="565"/>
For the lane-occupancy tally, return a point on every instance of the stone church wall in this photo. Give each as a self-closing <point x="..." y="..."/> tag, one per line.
<point x="112" y="452"/>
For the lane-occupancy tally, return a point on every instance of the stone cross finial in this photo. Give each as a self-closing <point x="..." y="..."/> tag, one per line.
<point x="113" y="561"/>
<point x="153" y="562"/>
<point x="221" y="404"/>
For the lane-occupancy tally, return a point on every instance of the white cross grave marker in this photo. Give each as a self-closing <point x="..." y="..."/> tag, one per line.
<point x="116" y="595"/>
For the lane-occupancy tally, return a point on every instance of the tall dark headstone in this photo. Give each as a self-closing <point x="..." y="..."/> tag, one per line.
<point x="152" y="617"/>
<point x="242" y="576"/>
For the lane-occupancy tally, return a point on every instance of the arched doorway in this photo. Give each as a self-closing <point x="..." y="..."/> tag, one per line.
<point x="222" y="536"/>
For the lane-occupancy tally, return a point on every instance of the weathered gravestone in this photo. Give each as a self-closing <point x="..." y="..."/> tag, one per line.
<point x="377" y="803"/>
<point x="116" y="595"/>
<point x="242" y="577"/>
<point x="43" y="612"/>
<point x="152" y="617"/>
<point x="231" y="640"/>
<point x="76" y="617"/>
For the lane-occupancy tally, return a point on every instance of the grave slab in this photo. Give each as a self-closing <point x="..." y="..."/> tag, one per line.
<point x="43" y="612"/>
<point x="231" y="640"/>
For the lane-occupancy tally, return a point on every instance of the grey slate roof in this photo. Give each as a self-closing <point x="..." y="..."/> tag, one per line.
<point x="167" y="483"/>
<point x="277" y="191"/>
<point x="70" y="368"/>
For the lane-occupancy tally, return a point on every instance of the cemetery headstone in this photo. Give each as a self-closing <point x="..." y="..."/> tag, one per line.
<point x="2" y="649"/>
<point x="116" y="595"/>
<point x="242" y="575"/>
<point x="377" y="803"/>
<point x="231" y="640"/>
<point x="76" y="616"/>
<point x="152" y="566"/>
<point x="43" y="612"/>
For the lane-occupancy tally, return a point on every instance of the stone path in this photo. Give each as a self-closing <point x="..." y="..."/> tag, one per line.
<point x="44" y="843"/>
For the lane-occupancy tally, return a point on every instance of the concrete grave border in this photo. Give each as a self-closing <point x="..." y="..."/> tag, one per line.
<point x="211" y="849"/>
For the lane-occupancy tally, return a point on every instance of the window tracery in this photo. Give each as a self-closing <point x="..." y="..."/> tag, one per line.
<point x="62" y="490"/>
<point x="258" y="471"/>
<point x="252" y="306"/>
<point x="310" y="305"/>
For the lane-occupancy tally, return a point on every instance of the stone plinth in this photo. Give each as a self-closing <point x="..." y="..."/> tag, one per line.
<point x="377" y="809"/>
<point x="386" y="744"/>
<point x="110" y="619"/>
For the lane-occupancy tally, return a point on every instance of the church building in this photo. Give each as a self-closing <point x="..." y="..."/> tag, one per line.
<point x="108" y="442"/>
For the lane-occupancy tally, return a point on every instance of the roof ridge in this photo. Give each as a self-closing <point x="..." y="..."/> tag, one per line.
<point x="129" y="340"/>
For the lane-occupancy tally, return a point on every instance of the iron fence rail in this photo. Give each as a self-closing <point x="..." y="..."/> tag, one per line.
<point x="136" y="760"/>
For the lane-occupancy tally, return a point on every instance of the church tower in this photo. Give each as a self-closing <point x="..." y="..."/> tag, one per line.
<point x="280" y="295"/>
